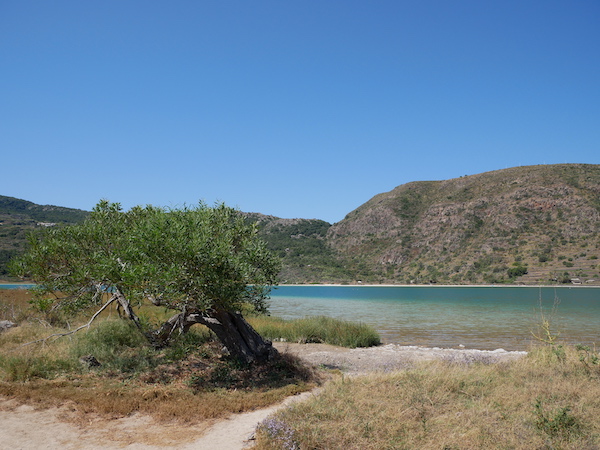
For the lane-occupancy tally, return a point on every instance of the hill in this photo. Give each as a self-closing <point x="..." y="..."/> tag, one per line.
<point x="526" y="224"/>
<point x="302" y="245"/>
<point x="19" y="216"/>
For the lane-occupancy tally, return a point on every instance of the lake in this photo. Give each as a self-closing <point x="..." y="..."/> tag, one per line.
<point x="480" y="317"/>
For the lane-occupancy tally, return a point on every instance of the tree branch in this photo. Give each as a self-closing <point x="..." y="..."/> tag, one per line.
<point x="87" y="325"/>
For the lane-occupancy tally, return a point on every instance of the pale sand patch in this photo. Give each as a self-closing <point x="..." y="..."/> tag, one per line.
<point x="24" y="427"/>
<point x="385" y="358"/>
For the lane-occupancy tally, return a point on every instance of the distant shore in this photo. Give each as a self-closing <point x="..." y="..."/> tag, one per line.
<point x="448" y="285"/>
<point x="28" y="283"/>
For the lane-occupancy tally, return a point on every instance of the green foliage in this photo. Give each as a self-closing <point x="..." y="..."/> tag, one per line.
<point x="557" y="423"/>
<point x="194" y="257"/>
<point x="517" y="271"/>
<point x="588" y="357"/>
<point x="26" y="367"/>
<point x="42" y="304"/>
<point x="318" y="329"/>
<point x="205" y="263"/>
<point x="564" y="278"/>
<point x="188" y="343"/>
<point x="302" y="246"/>
<point x="117" y="345"/>
<point x="558" y="351"/>
<point x="107" y="336"/>
<point x="5" y="257"/>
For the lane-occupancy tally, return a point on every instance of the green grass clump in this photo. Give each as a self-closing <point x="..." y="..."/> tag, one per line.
<point x="20" y="368"/>
<point x="186" y="344"/>
<point x="317" y="329"/>
<point x="116" y="344"/>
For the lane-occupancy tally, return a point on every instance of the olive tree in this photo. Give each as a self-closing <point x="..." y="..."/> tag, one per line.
<point x="206" y="264"/>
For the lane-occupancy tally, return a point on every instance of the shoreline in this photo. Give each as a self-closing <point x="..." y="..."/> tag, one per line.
<point x="390" y="357"/>
<point x="27" y="283"/>
<point x="445" y="285"/>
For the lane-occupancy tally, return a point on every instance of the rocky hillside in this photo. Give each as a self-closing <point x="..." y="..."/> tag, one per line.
<point x="526" y="224"/>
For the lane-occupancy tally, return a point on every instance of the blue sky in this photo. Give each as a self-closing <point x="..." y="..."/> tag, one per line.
<point x="295" y="109"/>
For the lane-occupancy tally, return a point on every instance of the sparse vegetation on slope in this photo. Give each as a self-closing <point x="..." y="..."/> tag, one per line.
<point x="302" y="246"/>
<point x="17" y="217"/>
<point x="537" y="224"/>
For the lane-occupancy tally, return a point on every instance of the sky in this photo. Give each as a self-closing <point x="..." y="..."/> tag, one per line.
<point x="297" y="109"/>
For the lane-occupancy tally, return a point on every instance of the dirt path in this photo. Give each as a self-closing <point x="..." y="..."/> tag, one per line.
<point x="24" y="427"/>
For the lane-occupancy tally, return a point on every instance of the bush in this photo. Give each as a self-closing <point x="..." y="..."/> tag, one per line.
<point x="556" y="423"/>
<point x="188" y="343"/>
<point x="116" y="344"/>
<point x="517" y="271"/>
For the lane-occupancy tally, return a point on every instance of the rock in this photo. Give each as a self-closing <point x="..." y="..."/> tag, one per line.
<point x="6" y="324"/>
<point x="89" y="361"/>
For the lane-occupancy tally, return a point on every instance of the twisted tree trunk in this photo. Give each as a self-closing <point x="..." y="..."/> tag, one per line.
<point x="241" y="340"/>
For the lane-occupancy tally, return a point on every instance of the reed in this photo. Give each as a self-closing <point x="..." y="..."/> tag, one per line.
<point x="317" y="329"/>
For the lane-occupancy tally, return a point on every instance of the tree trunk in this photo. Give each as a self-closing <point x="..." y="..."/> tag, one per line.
<point x="239" y="337"/>
<point x="241" y="340"/>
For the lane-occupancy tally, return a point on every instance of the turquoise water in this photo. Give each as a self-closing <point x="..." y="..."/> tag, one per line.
<point x="16" y="286"/>
<point x="478" y="317"/>
<point x="481" y="317"/>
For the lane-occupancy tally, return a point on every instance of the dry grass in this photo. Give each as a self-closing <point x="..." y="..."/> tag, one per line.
<point x="542" y="401"/>
<point x="114" y="398"/>
<point x="14" y="304"/>
<point x="189" y="382"/>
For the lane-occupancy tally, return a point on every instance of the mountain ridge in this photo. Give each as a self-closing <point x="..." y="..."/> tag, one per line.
<point x="525" y="225"/>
